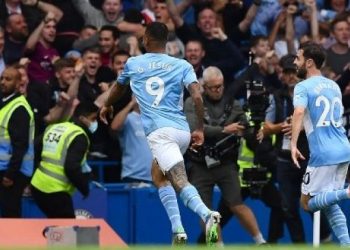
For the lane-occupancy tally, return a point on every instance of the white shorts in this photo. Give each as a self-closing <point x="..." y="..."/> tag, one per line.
<point x="168" y="146"/>
<point x="325" y="178"/>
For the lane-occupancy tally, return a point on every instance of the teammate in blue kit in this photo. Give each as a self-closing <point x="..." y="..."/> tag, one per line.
<point x="157" y="81"/>
<point x="318" y="105"/>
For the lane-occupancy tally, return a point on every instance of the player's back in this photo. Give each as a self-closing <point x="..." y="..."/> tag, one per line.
<point x="157" y="80"/>
<point x="323" y="122"/>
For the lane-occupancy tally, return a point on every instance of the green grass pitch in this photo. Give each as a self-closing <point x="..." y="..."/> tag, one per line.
<point x="192" y="247"/>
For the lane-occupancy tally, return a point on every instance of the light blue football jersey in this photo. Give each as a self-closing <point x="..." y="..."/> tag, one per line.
<point x="323" y="120"/>
<point x="157" y="81"/>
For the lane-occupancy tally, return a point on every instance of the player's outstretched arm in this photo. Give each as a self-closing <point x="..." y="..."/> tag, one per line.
<point x="116" y="93"/>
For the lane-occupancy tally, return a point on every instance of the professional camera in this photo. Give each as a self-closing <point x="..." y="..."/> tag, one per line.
<point x="257" y="103"/>
<point x="255" y="177"/>
<point x="214" y="153"/>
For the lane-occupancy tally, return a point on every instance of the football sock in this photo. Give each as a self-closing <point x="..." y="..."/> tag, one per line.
<point x="337" y="221"/>
<point x="326" y="199"/>
<point x="193" y="201"/>
<point x="168" y="198"/>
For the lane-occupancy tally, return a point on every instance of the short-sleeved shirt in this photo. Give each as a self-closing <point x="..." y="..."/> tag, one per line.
<point x="157" y="81"/>
<point x="40" y="68"/>
<point x="322" y="99"/>
<point x="137" y="157"/>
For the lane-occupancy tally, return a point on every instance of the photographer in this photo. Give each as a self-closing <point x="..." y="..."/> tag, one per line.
<point x="256" y="161"/>
<point x="289" y="177"/>
<point x="215" y="163"/>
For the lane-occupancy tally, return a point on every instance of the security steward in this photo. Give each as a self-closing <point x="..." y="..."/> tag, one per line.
<point x="16" y="144"/>
<point x="63" y="164"/>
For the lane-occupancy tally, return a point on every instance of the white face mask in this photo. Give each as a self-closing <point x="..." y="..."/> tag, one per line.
<point x="93" y="126"/>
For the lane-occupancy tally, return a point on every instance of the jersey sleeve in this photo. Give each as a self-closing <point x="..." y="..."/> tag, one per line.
<point x="189" y="75"/>
<point x="300" y="96"/>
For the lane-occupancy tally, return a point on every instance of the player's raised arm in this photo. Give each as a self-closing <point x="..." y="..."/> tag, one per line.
<point x="116" y="93"/>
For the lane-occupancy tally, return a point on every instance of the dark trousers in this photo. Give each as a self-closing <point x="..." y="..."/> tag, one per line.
<point x="270" y="196"/>
<point x="54" y="205"/>
<point x="289" y="179"/>
<point x="11" y="197"/>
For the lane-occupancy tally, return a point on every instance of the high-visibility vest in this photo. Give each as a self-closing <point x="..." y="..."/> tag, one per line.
<point x="50" y="176"/>
<point x="5" y="140"/>
<point x="245" y="160"/>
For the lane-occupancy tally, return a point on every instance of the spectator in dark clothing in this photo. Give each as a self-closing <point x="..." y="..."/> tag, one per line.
<point x="95" y="76"/>
<point x="93" y="83"/>
<point x="237" y="18"/>
<point x="107" y="41"/>
<point x="32" y="14"/>
<point x="16" y="151"/>
<point x="15" y="38"/>
<point x="118" y="62"/>
<point x="194" y="54"/>
<point x="338" y="55"/>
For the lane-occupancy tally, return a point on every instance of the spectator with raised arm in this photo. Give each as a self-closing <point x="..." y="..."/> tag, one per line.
<point x="237" y="18"/>
<point x="40" y="49"/>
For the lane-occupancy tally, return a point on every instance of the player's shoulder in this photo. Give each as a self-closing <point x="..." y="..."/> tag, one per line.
<point x="134" y="59"/>
<point x="302" y="84"/>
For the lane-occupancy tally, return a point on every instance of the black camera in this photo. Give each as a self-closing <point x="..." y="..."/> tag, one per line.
<point x="257" y="103"/>
<point x="214" y="153"/>
<point x="256" y="178"/>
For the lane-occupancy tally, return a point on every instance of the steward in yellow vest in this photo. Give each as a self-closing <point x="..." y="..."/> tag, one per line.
<point x="16" y="144"/>
<point x="63" y="164"/>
